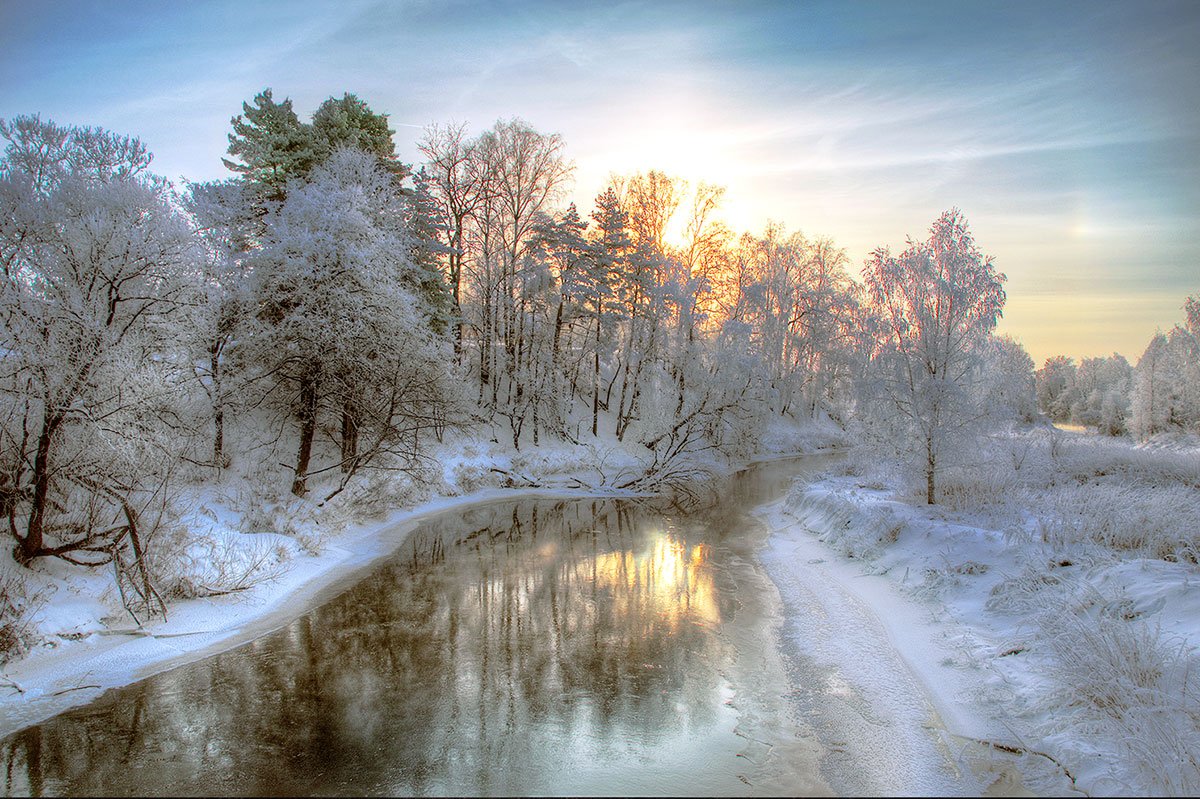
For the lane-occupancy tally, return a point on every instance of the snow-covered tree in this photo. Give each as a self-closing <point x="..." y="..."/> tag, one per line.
<point x="458" y="182"/>
<point x="936" y="304"/>
<point x="1150" y="404"/>
<point x="344" y="341"/>
<point x="224" y="215"/>
<point x="1101" y="391"/>
<point x="1056" y="387"/>
<point x="99" y="264"/>
<point x="1007" y="386"/>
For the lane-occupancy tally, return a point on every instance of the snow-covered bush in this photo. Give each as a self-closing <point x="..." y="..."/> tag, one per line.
<point x="379" y="492"/>
<point x="1125" y="681"/>
<point x="16" y="608"/>
<point x="219" y="562"/>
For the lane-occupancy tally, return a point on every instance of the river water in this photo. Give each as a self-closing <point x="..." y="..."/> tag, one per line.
<point x="521" y="647"/>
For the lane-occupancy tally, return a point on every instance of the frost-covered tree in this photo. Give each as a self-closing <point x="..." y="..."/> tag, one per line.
<point x="1006" y="386"/>
<point x="43" y="154"/>
<point x="526" y="172"/>
<point x="1056" y="387"/>
<point x="458" y="183"/>
<point x="344" y="342"/>
<point x="224" y="215"/>
<point x="1101" y="391"/>
<point x="1166" y="385"/>
<point x="935" y="304"/>
<point x="98" y="265"/>
<point x="1150" y="404"/>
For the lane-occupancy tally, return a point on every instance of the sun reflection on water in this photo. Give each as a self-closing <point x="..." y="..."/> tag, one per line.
<point x="666" y="578"/>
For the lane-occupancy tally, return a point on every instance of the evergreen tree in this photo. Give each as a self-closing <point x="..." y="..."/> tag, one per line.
<point x="272" y="145"/>
<point x="350" y="122"/>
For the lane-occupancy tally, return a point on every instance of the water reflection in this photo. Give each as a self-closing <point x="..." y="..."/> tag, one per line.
<point x="551" y="647"/>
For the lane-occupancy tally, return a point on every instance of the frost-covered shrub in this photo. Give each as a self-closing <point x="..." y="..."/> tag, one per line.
<point x="471" y="476"/>
<point x="379" y="492"/>
<point x="1160" y="522"/>
<point x="16" y="608"/>
<point x="262" y="509"/>
<point x="993" y="485"/>
<point x="1025" y="592"/>
<point x="214" y="563"/>
<point x="1125" y="681"/>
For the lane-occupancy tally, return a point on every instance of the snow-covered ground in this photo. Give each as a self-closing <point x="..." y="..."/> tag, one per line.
<point x="1047" y="626"/>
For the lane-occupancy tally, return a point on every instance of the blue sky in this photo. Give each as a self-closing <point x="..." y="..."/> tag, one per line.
<point x="1069" y="134"/>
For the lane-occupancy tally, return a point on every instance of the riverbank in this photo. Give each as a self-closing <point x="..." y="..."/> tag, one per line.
<point x="86" y="644"/>
<point x="1061" y="654"/>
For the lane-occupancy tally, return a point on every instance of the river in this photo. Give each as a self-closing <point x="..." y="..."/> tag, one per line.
<point x="541" y="646"/>
<point x="520" y="647"/>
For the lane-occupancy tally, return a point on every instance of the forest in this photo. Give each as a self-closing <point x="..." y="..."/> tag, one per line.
<point x="328" y="312"/>
<point x="310" y="341"/>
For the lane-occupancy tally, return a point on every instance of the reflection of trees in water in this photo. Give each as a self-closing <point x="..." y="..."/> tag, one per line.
<point x="562" y="622"/>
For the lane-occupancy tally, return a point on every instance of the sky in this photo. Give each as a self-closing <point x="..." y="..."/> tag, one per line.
<point x="1068" y="133"/>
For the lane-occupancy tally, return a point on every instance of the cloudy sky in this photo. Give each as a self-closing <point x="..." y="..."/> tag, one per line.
<point x="1068" y="134"/>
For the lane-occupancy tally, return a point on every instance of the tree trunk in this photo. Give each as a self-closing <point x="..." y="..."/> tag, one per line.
<point x="930" y="470"/>
<point x="596" y="376"/>
<point x="219" y="438"/>
<point x="308" y="427"/>
<point x="30" y="546"/>
<point x="349" y="436"/>
<point x="214" y="369"/>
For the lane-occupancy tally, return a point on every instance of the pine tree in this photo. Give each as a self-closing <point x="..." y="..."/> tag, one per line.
<point x="350" y="122"/>
<point x="272" y="144"/>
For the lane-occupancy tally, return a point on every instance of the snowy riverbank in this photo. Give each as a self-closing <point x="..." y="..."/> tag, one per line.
<point x="1074" y="659"/>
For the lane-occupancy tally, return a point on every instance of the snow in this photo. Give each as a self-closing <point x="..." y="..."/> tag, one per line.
<point x="1079" y="657"/>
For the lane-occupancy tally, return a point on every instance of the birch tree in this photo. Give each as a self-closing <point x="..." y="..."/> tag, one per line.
<point x="936" y="303"/>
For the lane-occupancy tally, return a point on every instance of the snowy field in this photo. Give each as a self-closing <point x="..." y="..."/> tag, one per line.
<point x="1049" y="611"/>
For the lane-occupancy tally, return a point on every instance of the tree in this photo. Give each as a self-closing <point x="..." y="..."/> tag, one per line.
<point x="98" y="266"/>
<point x="1166" y="385"/>
<point x="271" y="144"/>
<point x="223" y="212"/>
<point x="1056" y="387"/>
<point x="44" y="154"/>
<point x="458" y="182"/>
<point x="526" y="172"/>
<point x="1101" y="391"/>
<point x="1007" y="386"/>
<point x="350" y="122"/>
<point x="935" y="305"/>
<point x="342" y="333"/>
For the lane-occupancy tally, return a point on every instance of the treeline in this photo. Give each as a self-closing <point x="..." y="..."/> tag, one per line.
<point x="329" y="310"/>
<point x="1159" y="395"/>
